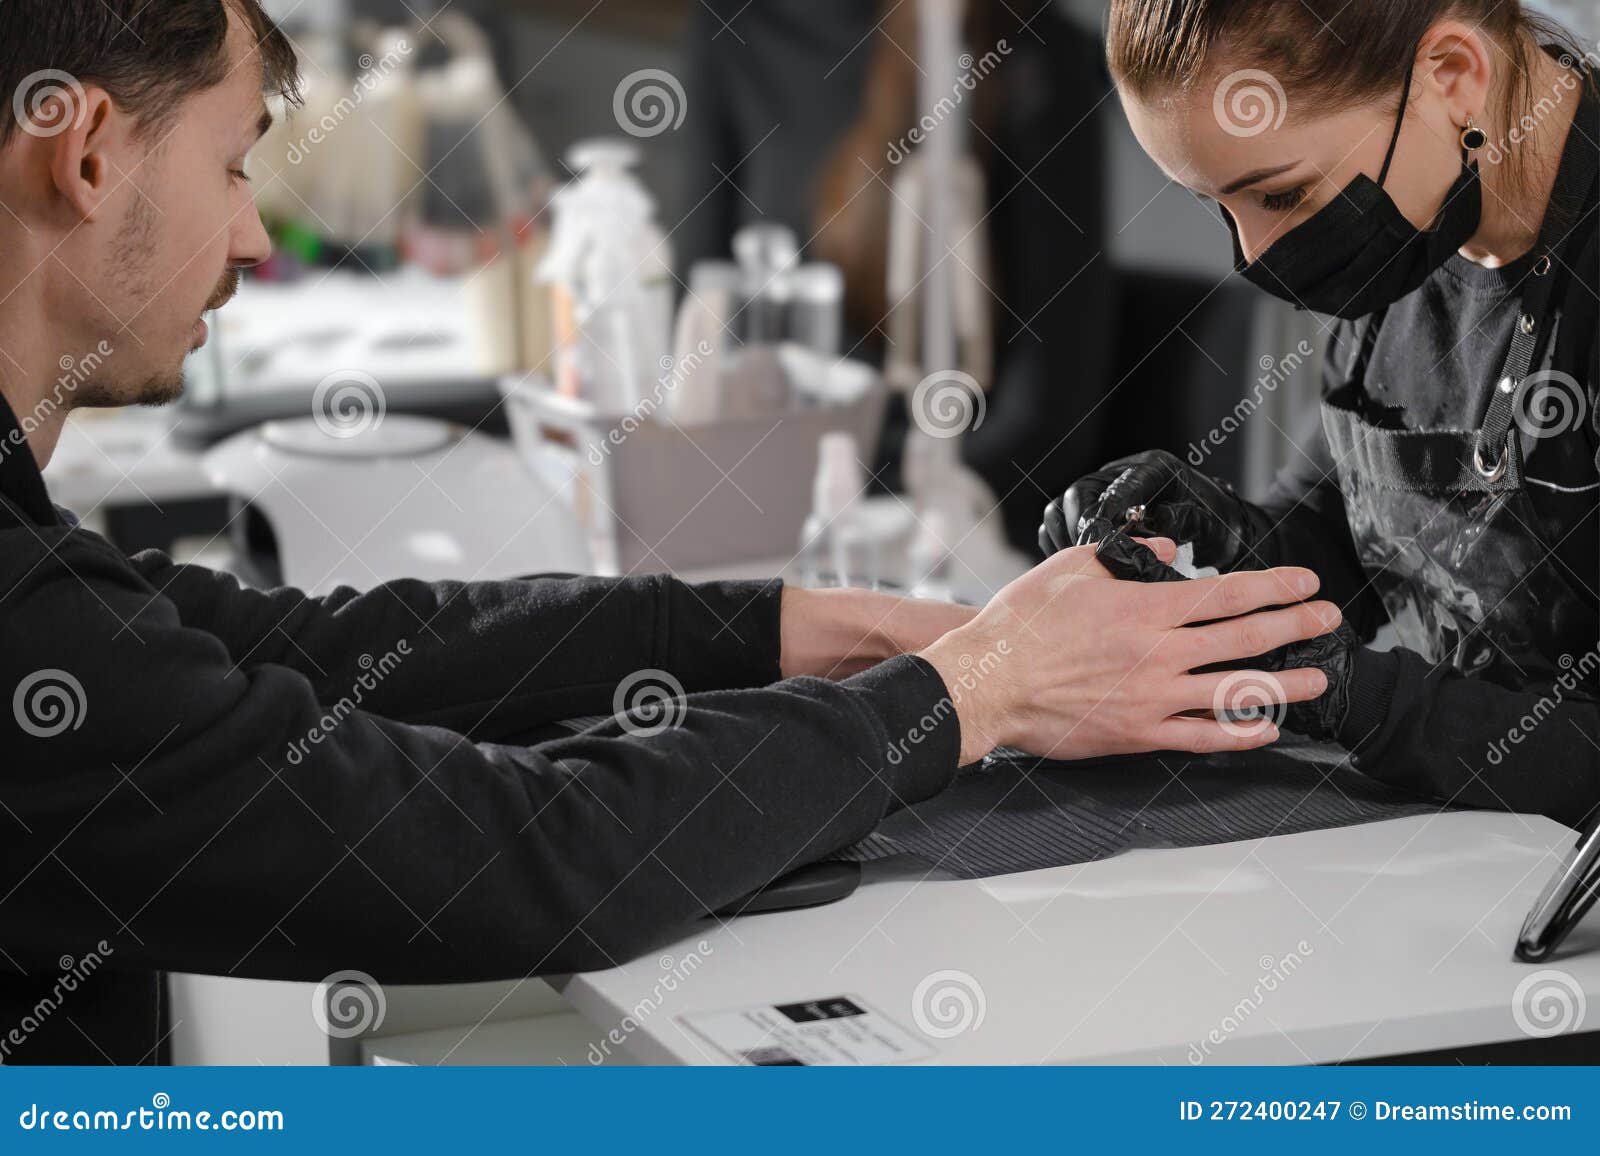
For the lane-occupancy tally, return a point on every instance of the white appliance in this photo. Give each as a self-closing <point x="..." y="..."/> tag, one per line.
<point x="395" y="496"/>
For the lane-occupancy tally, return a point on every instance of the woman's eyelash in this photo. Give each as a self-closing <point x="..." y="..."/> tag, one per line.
<point x="1282" y="202"/>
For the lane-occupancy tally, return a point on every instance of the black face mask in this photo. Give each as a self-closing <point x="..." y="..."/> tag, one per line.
<point x="1358" y="253"/>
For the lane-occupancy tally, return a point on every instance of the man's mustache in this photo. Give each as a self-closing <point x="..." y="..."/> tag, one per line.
<point x="226" y="288"/>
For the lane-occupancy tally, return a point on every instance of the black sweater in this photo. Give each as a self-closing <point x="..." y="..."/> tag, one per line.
<point x="1412" y="722"/>
<point x="265" y="784"/>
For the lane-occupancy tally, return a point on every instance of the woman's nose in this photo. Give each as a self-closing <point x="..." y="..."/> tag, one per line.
<point x="1252" y="238"/>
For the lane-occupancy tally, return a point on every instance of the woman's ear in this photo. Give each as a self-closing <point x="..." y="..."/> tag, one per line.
<point x="1456" y="62"/>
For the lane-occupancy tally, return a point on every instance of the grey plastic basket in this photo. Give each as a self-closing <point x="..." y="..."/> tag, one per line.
<point x="657" y="496"/>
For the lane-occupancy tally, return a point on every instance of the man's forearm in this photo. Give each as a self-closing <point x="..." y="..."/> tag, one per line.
<point x="343" y="828"/>
<point x="487" y="659"/>
<point x="837" y="633"/>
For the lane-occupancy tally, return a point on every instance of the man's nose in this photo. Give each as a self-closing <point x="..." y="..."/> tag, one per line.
<point x="250" y="243"/>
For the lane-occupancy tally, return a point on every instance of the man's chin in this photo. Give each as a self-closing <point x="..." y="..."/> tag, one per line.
<point x="160" y="391"/>
<point x="156" y="390"/>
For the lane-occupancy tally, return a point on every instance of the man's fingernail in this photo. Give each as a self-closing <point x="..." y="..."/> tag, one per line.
<point x="1306" y="582"/>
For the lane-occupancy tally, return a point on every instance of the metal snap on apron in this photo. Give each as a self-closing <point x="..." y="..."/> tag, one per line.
<point x="1441" y="519"/>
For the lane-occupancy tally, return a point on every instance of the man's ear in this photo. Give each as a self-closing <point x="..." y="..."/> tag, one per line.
<point x="85" y="137"/>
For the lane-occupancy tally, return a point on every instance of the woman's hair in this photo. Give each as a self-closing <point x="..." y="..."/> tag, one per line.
<point x="1335" y="53"/>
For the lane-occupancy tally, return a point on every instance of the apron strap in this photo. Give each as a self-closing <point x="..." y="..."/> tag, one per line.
<point x="1492" y="450"/>
<point x="1365" y="344"/>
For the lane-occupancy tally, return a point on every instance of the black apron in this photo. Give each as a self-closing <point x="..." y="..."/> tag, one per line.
<point x="1441" y="518"/>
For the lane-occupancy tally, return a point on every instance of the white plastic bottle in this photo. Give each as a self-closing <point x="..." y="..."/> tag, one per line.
<point x="608" y="271"/>
<point x="768" y="254"/>
<point x="834" y="548"/>
<point x="704" y="319"/>
<point x="929" y="558"/>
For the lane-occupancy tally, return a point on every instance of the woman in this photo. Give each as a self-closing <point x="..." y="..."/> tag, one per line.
<point x="1423" y="170"/>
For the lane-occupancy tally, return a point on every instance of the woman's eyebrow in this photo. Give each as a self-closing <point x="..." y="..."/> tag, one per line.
<point x="1251" y="178"/>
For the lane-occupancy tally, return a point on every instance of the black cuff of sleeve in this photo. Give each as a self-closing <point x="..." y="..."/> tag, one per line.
<point x="723" y="635"/>
<point x="1373" y="674"/>
<point x="922" y="736"/>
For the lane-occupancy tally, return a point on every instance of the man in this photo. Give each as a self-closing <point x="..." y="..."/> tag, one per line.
<point x="200" y="777"/>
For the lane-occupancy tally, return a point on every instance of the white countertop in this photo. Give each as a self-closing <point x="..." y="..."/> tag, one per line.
<point x="125" y="457"/>
<point x="1384" y="939"/>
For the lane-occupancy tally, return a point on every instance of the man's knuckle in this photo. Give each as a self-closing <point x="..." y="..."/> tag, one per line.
<point x="1250" y="638"/>
<point x="1234" y="598"/>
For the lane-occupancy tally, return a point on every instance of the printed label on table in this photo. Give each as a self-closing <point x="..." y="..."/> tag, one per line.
<point x="838" y="1030"/>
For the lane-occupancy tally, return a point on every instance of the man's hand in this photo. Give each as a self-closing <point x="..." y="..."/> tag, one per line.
<point x="837" y="633"/>
<point x="1068" y="663"/>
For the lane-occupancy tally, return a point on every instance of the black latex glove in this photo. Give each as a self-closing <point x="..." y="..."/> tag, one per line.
<point x="1332" y="653"/>
<point x="1178" y="503"/>
<point x="1132" y="562"/>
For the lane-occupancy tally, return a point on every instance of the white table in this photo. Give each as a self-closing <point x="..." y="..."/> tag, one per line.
<point x="1384" y="939"/>
<point x="126" y="457"/>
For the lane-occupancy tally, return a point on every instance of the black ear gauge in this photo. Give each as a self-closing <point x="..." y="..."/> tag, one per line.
<point x="1473" y="138"/>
